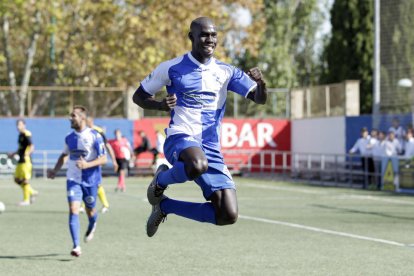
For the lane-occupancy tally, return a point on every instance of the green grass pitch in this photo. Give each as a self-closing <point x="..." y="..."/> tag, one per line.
<point x="283" y="229"/>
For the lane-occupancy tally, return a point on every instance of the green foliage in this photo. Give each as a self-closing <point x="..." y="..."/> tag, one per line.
<point x="349" y="53"/>
<point x="397" y="55"/>
<point x="287" y="52"/>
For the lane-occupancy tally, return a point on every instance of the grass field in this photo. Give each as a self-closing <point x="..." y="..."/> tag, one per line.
<point x="283" y="229"/>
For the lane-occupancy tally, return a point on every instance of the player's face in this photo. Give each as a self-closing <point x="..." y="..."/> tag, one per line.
<point x="76" y="118"/>
<point x="21" y="126"/>
<point x="118" y="134"/>
<point x="205" y="40"/>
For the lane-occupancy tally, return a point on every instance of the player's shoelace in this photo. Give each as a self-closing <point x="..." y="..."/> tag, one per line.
<point x="160" y="219"/>
<point x="158" y="190"/>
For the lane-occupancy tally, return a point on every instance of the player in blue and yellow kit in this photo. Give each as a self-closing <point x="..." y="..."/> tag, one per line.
<point x="23" y="171"/>
<point x="197" y="86"/>
<point x="86" y="151"/>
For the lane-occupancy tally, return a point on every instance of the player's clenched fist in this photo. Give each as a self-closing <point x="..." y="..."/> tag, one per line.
<point x="51" y="174"/>
<point x="256" y="74"/>
<point x="169" y="102"/>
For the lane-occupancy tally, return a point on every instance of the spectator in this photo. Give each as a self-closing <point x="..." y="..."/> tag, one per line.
<point x="392" y="145"/>
<point x="378" y="151"/>
<point x="362" y="146"/>
<point x="159" y="146"/>
<point x="146" y="146"/>
<point x="398" y="131"/>
<point x="409" y="145"/>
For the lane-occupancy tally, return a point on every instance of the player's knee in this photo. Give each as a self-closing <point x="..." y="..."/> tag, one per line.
<point x="227" y="218"/>
<point x="196" y="168"/>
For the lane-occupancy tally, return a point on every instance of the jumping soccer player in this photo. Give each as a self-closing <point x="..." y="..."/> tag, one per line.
<point x="86" y="151"/>
<point x="197" y="86"/>
<point x="23" y="171"/>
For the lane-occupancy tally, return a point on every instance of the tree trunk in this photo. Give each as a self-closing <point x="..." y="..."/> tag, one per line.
<point x="7" y="108"/>
<point x="31" y="51"/>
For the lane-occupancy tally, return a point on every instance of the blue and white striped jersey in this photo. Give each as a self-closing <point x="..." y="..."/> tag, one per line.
<point x="89" y="144"/>
<point x="201" y="91"/>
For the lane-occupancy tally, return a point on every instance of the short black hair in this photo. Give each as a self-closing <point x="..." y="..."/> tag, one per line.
<point x="83" y="109"/>
<point x="20" y="120"/>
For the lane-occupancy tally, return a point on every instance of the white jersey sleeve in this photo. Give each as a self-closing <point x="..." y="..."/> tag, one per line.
<point x="241" y="83"/>
<point x="157" y="79"/>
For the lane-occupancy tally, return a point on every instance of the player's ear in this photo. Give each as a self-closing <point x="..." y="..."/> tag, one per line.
<point x="190" y="36"/>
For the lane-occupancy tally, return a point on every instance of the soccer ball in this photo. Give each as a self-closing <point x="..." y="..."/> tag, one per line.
<point x="2" y="207"/>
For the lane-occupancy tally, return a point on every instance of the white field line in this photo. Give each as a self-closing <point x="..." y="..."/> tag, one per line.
<point x="375" y="198"/>
<point x="287" y="189"/>
<point x="339" y="196"/>
<point x="321" y="230"/>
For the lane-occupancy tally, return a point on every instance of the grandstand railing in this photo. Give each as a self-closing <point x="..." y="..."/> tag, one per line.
<point x="332" y="169"/>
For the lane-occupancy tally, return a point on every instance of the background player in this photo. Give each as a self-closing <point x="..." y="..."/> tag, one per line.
<point x="101" y="191"/>
<point x="23" y="171"/>
<point x="197" y="83"/>
<point x="123" y="150"/>
<point x="86" y="151"/>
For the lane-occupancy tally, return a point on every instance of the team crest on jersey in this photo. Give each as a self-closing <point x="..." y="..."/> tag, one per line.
<point x="89" y="199"/>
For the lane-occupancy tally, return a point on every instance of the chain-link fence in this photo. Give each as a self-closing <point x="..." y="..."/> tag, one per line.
<point x="396" y="56"/>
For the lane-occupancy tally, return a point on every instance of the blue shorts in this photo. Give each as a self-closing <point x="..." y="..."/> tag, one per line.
<point x="217" y="177"/>
<point x="79" y="192"/>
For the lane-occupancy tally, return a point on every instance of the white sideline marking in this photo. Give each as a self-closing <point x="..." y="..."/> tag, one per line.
<point x="376" y="198"/>
<point x="339" y="196"/>
<point x="288" y="189"/>
<point x="320" y="230"/>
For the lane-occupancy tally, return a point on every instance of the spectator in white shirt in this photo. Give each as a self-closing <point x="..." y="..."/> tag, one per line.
<point x="362" y="146"/>
<point x="392" y="145"/>
<point x="398" y="131"/>
<point x="409" y="145"/>
<point x="378" y="151"/>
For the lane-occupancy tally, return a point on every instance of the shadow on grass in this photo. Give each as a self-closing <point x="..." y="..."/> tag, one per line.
<point x="42" y="257"/>
<point x="353" y="211"/>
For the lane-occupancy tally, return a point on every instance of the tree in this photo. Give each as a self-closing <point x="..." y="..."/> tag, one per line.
<point x="109" y="43"/>
<point x="287" y="49"/>
<point x="349" y="53"/>
<point x="397" y="55"/>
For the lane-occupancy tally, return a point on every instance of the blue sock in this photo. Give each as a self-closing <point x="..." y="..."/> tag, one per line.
<point x="174" y="175"/>
<point x="92" y="221"/>
<point x="74" y="228"/>
<point x="202" y="212"/>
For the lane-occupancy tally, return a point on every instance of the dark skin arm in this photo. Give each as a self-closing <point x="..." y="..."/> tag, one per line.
<point x="146" y="101"/>
<point x="259" y="95"/>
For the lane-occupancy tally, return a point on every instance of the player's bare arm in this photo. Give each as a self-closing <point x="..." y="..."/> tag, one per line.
<point x="83" y="164"/>
<point x="146" y="101"/>
<point x="59" y="163"/>
<point x="260" y="94"/>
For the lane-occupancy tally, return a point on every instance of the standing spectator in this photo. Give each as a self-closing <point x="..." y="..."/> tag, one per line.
<point x="123" y="151"/>
<point x="398" y="131"/>
<point x="392" y="145"/>
<point x="159" y="148"/>
<point x="378" y="151"/>
<point x="362" y="146"/>
<point x="409" y="145"/>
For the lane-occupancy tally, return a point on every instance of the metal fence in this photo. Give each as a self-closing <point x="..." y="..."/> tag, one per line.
<point x="329" y="169"/>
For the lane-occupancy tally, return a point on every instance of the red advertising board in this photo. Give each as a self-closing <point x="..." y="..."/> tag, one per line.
<point x="242" y="140"/>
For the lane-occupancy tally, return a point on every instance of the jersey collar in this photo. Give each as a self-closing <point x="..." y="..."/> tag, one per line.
<point x="193" y="59"/>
